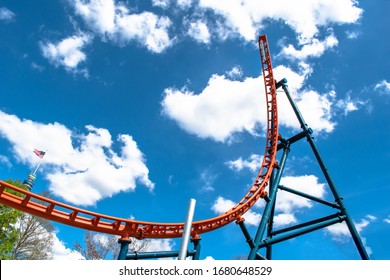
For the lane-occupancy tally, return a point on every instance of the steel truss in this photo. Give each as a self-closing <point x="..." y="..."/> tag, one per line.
<point x="266" y="236"/>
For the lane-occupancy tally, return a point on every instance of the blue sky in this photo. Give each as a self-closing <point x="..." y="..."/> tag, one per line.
<point x="142" y="105"/>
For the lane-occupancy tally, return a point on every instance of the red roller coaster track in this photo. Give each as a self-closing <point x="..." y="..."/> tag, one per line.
<point x="52" y="210"/>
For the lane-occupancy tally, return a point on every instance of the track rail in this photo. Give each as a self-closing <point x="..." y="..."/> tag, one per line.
<point x="66" y="214"/>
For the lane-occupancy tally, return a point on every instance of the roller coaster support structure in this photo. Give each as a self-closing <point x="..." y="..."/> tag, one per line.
<point x="124" y="255"/>
<point x="276" y="236"/>
<point x="182" y="254"/>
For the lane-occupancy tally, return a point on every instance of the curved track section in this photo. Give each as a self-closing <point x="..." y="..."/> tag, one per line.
<point x="52" y="210"/>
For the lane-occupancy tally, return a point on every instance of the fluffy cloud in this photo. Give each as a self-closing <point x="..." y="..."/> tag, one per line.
<point x="383" y="87"/>
<point x="235" y="73"/>
<point x="221" y="205"/>
<point x="161" y="3"/>
<point x="340" y="232"/>
<point x="252" y="218"/>
<point x="5" y="161"/>
<point x="308" y="184"/>
<point x="245" y="17"/>
<point x="199" y="31"/>
<point x="6" y="15"/>
<point x="221" y="109"/>
<point x="61" y="252"/>
<point x="184" y="3"/>
<point x="158" y="245"/>
<point x="348" y="105"/>
<point x="119" y="23"/>
<point x="227" y="106"/>
<point x="81" y="168"/>
<point x="253" y="163"/>
<point x="206" y="181"/>
<point x="67" y="53"/>
<point x="287" y="204"/>
<point x="313" y="48"/>
<point x="114" y="21"/>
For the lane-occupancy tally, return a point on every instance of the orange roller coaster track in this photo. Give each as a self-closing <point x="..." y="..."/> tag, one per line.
<point x="56" y="211"/>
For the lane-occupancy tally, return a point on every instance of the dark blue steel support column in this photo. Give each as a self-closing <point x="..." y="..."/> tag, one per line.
<point x="196" y="248"/>
<point x="332" y="186"/>
<point x="124" y="248"/>
<point x="249" y="239"/>
<point x="270" y="227"/>
<point x="270" y="204"/>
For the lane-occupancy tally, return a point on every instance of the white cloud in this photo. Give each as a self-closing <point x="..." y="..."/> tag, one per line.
<point x="99" y="14"/>
<point x="6" y="15"/>
<point x="221" y="205"/>
<point x="235" y="73"/>
<point x="341" y="234"/>
<point x="313" y="48"/>
<point x="161" y="3"/>
<point x="252" y="218"/>
<point x="352" y="34"/>
<point x="61" y="252"/>
<point x="340" y="231"/>
<point x="222" y="109"/>
<point x="5" y="161"/>
<point x="253" y="163"/>
<point x="387" y="220"/>
<point x="158" y="245"/>
<point x="316" y="109"/>
<point x="308" y="184"/>
<point x="226" y="107"/>
<point x="199" y="31"/>
<point x="146" y="28"/>
<point x="207" y="179"/>
<point x="348" y="105"/>
<point x="115" y="22"/>
<point x="184" y="3"/>
<point x="82" y="168"/>
<point x="383" y="87"/>
<point x="287" y="204"/>
<point x="68" y="52"/>
<point x="284" y="219"/>
<point x="245" y="17"/>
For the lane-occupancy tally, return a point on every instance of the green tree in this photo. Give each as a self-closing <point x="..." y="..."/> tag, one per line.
<point x="8" y="219"/>
<point x="24" y="236"/>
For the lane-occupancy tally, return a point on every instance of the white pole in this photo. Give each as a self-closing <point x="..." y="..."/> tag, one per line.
<point x="187" y="230"/>
<point x="36" y="169"/>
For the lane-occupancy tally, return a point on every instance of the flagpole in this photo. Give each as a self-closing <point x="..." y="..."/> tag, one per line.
<point x="39" y="164"/>
<point x="29" y="183"/>
<point x="36" y="169"/>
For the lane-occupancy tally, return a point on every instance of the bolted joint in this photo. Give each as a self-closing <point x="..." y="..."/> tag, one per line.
<point x="282" y="82"/>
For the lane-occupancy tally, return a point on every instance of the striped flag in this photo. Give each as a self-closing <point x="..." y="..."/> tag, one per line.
<point x="39" y="153"/>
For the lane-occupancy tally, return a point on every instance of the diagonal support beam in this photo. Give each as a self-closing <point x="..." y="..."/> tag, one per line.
<point x="269" y="206"/>
<point x="332" y="186"/>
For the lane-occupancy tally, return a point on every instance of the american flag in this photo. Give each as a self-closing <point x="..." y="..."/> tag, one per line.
<point x="39" y="153"/>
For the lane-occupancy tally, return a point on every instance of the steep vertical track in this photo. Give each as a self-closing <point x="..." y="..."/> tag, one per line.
<point x="63" y="213"/>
